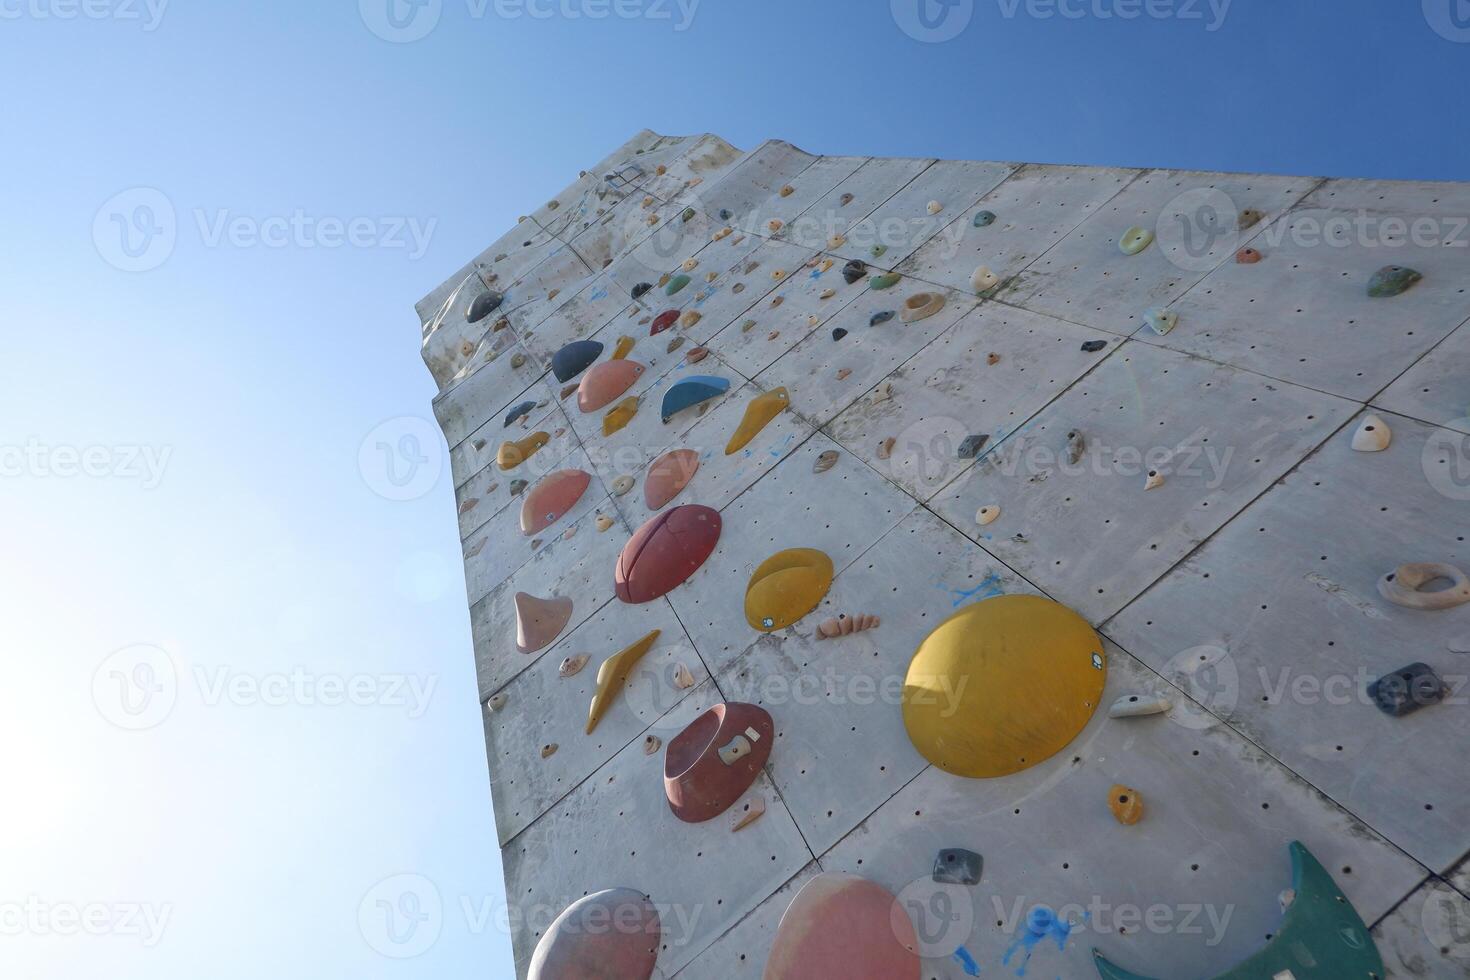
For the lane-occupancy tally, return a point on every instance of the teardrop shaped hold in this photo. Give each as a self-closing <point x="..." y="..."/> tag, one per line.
<point x="973" y="701"/>
<point x="1135" y="240"/>
<point x="1139" y="706"/>
<point x="668" y="476"/>
<point x="663" y="321"/>
<point x="882" y="316"/>
<point x="619" y="417"/>
<point x="885" y="281"/>
<point x="1392" y="280"/>
<point x="758" y="414"/>
<point x="1372" y="435"/>
<point x="691" y="391"/>
<point x="574" y="358"/>
<point x="482" y="306"/>
<point x="551" y="499"/>
<point x="984" y="219"/>
<point x="664" y="552"/>
<point x="540" y="621"/>
<point x="605" y="383"/>
<point x="1160" y="320"/>
<point x="624" y="348"/>
<point x="613" y="674"/>
<point x="854" y="270"/>
<point x="785" y="587"/>
<point x="519" y="412"/>
<point x="609" y="935"/>
<point x="921" y="306"/>
<point x="676" y="284"/>
<point x="712" y="762"/>
<point x="513" y="454"/>
<point x="843" y="926"/>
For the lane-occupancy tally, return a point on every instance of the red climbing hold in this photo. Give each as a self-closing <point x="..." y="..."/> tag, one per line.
<point x="666" y="551"/>
<point x="664" y="321"/>
<point x="710" y="764"/>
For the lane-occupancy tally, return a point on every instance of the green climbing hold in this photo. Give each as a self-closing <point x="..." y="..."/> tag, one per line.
<point x="1160" y="320"/>
<point x="1135" y="240"/>
<point x="1392" y="280"/>
<point x="689" y="214"/>
<point x="675" y="284"/>
<point x="885" y="281"/>
<point x="877" y="251"/>
<point x="984" y="219"/>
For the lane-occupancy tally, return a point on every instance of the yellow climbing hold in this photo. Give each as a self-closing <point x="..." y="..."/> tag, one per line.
<point x="786" y="587"/>
<point x="758" y="415"/>
<point x="1003" y="685"/>
<point x="613" y="674"/>
<point x="513" y="454"/>
<point x="624" y="348"/>
<point x="620" y="416"/>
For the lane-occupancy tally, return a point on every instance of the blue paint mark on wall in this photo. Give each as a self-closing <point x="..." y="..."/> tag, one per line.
<point x="1041" y="922"/>
<point x="967" y="962"/>
<point x="599" y="293"/>
<point x="780" y="449"/>
<point x="989" y="588"/>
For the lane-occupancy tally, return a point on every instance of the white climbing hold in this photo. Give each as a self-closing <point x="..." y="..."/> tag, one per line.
<point x="935" y="207"/>
<point x="984" y="280"/>
<point x="1373" y="435"/>
<point x="572" y="666"/>
<point x="496" y="702"/>
<point x="1403" y="586"/>
<point x="1161" y="321"/>
<point x="689" y="265"/>
<point x="622" y="485"/>
<point x="652" y="744"/>
<point x="1076" y="446"/>
<point x="683" y="680"/>
<point x="987" y="514"/>
<point x="1138" y="705"/>
<point x="748" y="814"/>
<point x="1154" y="479"/>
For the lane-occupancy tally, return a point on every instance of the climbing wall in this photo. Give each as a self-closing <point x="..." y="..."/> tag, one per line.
<point x="1209" y="413"/>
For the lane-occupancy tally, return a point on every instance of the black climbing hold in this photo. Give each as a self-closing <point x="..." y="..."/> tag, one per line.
<point x="725" y="214"/>
<point x="689" y="214"/>
<point x="1093" y="346"/>
<point x="1406" y="691"/>
<point x="574" y="358"/>
<point x="878" y="318"/>
<point x="641" y="288"/>
<point x="838" y="333"/>
<point x="483" y="305"/>
<point x="1392" y="280"/>
<point x="854" y="271"/>
<point x="958" y="867"/>
<point x="972" y="445"/>
<point x="523" y="409"/>
<point x="517" y="487"/>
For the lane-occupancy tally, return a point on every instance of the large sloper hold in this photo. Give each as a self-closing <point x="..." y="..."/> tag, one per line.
<point x="1392" y="280"/>
<point x="758" y="414"/>
<point x="613" y="674"/>
<point x="483" y="305"/>
<point x="1002" y="685"/>
<point x="664" y="552"/>
<point x="608" y="935"/>
<point x="1322" y="937"/>
<point x="1405" y="586"/>
<point x="574" y="358"/>
<point x="712" y="762"/>
<point x="606" y="382"/>
<point x="518" y="413"/>
<point x="840" y="925"/>
<point x="694" y="390"/>
<point x="540" y="621"/>
<point x="513" y="453"/>
<point x="785" y="587"/>
<point x="668" y="476"/>
<point x="550" y="500"/>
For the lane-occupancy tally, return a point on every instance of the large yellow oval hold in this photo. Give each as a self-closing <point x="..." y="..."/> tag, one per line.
<point x="1002" y="685"/>
<point x="786" y="587"/>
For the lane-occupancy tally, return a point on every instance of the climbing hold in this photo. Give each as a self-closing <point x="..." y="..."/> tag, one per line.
<point x="641" y="288"/>
<point x="483" y="305"/>
<point x="572" y="666"/>
<point x="788" y="190"/>
<point x="1407" y="690"/>
<point x="836" y="241"/>
<point x="842" y="373"/>
<point x="694" y="390"/>
<point x="604" y="522"/>
<point x="539" y="621"/>
<point x="1135" y="240"/>
<point x="845" y="625"/>
<point x="1126" y="804"/>
<point x="552" y="294"/>
<point x="613" y="674"/>
<point x="621" y="485"/>
<point x="1320" y="928"/>
<point x="885" y="448"/>
<point x="838" y="333"/>
<point x="971" y="701"/>
<point x="609" y="935"/>
<point x="1160" y="320"/>
<point x="826" y="266"/>
<point x="711" y="763"/>
<point x="758" y="414"/>
<point x="676" y="284"/>
<point x="517" y="486"/>
<point x="551" y="498"/>
<point x="690" y="318"/>
<point x="497" y="701"/>
<point x="1392" y="280"/>
<point x="1076" y="447"/>
<point x="1093" y="346"/>
<point x="747" y="326"/>
<point x="813" y="321"/>
<point x="674" y="345"/>
<point x="606" y="382"/>
<point x="984" y="280"/>
<point x="778" y="275"/>
<point x="619" y="417"/>
<point x="972" y="445"/>
<point x="777" y="301"/>
<point x="883" y="392"/>
<point x="689" y="214"/>
<point x="1247" y="256"/>
<point x="987" y="514"/>
<point x="668" y="476"/>
<point x="574" y="358"/>
<point x="845" y="200"/>
<point x="882" y="316"/>
<point x="885" y="281"/>
<point x="513" y="454"/>
<point x="828" y="294"/>
<point x="711" y="276"/>
<point x="663" y="321"/>
<point x="825" y="461"/>
<point x="877" y="251"/>
<point x="624" y="348"/>
<point x="1249" y="218"/>
<point x="652" y="744"/>
<point x="1403" y="586"/>
<point x="958" y="867"/>
<point x="664" y="279"/>
<point x="1138" y="705"/>
<point x="689" y="265"/>
<point x="1373" y="435"/>
<point x="854" y="270"/>
<point x="754" y="809"/>
<point x="1153" y="480"/>
<point x="774" y="225"/>
<point x="549" y="750"/>
<point x="842" y="926"/>
<point x="992" y="359"/>
<point x="984" y="219"/>
<point x="517" y="360"/>
<point x="921" y="306"/>
<point x="519" y="412"/>
<point x="935" y="207"/>
<point x="696" y="354"/>
<point x="723" y="233"/>
<point x="683" y="679"/>
<point x="665" y="551"/>
<point x="785" y="587"/>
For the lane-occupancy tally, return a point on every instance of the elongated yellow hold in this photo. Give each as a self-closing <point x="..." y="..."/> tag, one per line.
<point x="758" y="415"/>
<point x="1003" y="685"/>
<point x="620" y="416"/>
<point x="613" y="674"/>
<point x="514" y="453"/>
<point x="786" y="587"/>
<point x="624" y="348"/>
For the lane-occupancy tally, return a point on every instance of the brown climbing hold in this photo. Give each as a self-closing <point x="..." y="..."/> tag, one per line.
<point x="774" y="225"/>
<point x="572" y="666"/>
<point x="567" y="391"/>
<point x="652" y="744"/>
<point x="711" y="763"/>
<point x="846" y="200"/>
<point x="842" y="373"/>
<point x="690" y="318"/>
<point x="665" y="551"/>
<point x="551" y="499"/>
<point x="773" y="335"/>
<point x="753" y="810"/>
<point x="621" y="485"/>
<point x="549" y="750"/>
<point x="1126" y="804"/>
<point x="1247" y="256"/>
<point x="683" y="679"/>
<point x="604" y="522"/>
<point x="992" y="359"/>
<point x="606" y="382"/>
<point x="885" y="448"/>
<point x="668" y="476"/>
<point x="825" y="461"/>
<point x="847" y="625"/>
<point x="1249" y="218"/>
<point x="921" y="306"/>
<point x="788" y="190"/>
<point x="696" y="354"/>
<point x="777" y="301"/>
<point x="540" y="621"/>
<point x="469" y="505"/>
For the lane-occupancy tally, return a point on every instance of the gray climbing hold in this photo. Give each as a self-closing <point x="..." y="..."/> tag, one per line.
<point x="882" y="317"/>
<point x="641" y="288"/>
<point x="958" y="867"/>
<point x="483" y="305"/>
<point x="518" y="487"/>
<point x="1093" y="346"/>
<point x="1406" y="691"/>
<point x="972" y="445"/>
<point x="1392" y="280"/>
<point x="838" y="333"/>
<point x="1076" y="446"/>
<point x="725" y="214"/>
<point x="984" y="219"/>
<point x="1138" y="705"/>
<point x="521" y="410"/>
<point x="1160" y="320"/>
<point x="854" y="271"/>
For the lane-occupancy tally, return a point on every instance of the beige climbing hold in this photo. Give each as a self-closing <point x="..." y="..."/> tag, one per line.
<point x="921" y="306"/>
<point x="652" y="744"/>
<point x="825" y="461"/>
<point x="773" y="335"/>
<point x="621" y="485"/>
<point x="883" y="392"/>
<point x="518" y="360"/>
<point x="777" y="301"/>
<point x="1154" y="480"/>
<point x="604" y="522"/>
<point x="1076" y="446"/>
<point x="661" y="170"/>
<point x="1403" y="586"/>
<point x="747" y="326"/>
<point x="987" y="514"/>
<point x="984" y="280"/>
<point x="674" y="345"/>
<point x="467" y="348"/>
<point x="813" y="320"/>
<point x="992" y="359"/>
<point x="647" y="203"/>
<point x="842" y="373"/>
<point x="774" y="225"/>
<point x="552" y="294"/>
<point x="935" y="207"/>
<point x="826" y="265"/>
<point x="1139" y="705"/>
<point x="778" y="274"/>
<point x="549" y="750"/>
<point x="572" y="666"/>
<point x="847" y="625"/>
<point x="711" y="276"/>
<point x="828" y="294"/>
<point x="885" y="448"/>
<point x="788" y="190"/>
<point x="753" y="810"/>
<point x="497" y="701"/>
<point x="836" y="241"/>
<point x="723" y="233"/>
<point x="689" y="265"/>
<point x="683" y="679"/>
<point x="570" y="532"/>
<point x="1126" y="804"/>
<point x="846" y="200"/>
<point x="690" y="318"/>
<point x="652" y="220"/>
<point x="1373" y="435"/>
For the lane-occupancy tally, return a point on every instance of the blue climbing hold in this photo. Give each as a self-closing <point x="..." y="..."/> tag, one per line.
<point x="882" y="317"/>
<point x="692" y="391"/>
<point x="574" y="358"/>
<point x="520" y="411"/>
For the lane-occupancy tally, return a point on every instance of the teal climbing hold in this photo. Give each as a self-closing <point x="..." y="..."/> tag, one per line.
<point x="1392" y="280"/>
<point x="1135" y="240"/>
<point x="1160" y="320"/>
<point x="885" y="281"/>
<point x="675" y="284"/>
<point x="984" y="219"/>
<point x="692" y="391"/>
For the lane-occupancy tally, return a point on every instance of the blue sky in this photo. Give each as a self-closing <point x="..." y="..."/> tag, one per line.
<point x="194" y="496"/>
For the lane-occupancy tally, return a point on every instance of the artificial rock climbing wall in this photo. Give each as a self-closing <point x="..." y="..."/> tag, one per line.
<point x="1159" y="398"/>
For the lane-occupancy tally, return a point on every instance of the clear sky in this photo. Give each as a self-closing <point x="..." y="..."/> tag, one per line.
<point x="193" y="498"/>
